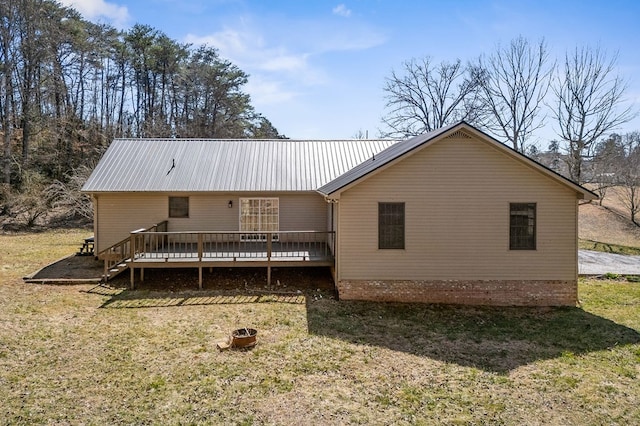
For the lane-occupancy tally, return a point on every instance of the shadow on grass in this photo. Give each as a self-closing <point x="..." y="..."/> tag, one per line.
<point x="491" y="339"/>
<point x="179" y="287"/>
<point x="121" y="298"/>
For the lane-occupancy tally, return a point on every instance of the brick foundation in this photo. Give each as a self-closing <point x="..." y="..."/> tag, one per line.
<point x="489" y="292"/>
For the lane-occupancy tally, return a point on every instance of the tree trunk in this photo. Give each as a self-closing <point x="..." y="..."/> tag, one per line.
<point x="7" y="126"/>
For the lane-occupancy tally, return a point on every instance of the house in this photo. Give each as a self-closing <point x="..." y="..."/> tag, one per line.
<point x="451" y="216"/>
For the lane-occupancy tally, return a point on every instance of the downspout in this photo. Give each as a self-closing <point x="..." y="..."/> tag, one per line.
<point x="334" y="226"/>
<point x="337" y="245"/>
<point x="331" y="220"/>
<point x="96" y="239"/>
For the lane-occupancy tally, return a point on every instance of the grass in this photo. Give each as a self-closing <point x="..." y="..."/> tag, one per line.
<point x="607" y="247"/>
<point x="78" y="354"/>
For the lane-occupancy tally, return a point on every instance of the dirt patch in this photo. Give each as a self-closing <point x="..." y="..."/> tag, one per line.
<point x="72" y="268"/>
<point x="284" y="280"/>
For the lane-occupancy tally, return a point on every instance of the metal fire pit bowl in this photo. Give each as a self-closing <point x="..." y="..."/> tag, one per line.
<point x="243" y="337"/>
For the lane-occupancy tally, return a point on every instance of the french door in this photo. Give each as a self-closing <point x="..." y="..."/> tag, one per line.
<point x="259" y="215"/>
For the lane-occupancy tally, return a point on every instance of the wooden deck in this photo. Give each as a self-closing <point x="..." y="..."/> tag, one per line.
<point x="155" y="249"/>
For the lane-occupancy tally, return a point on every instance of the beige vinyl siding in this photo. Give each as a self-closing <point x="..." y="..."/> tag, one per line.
<point x="457" y="194"/>
<point x="118" y="214"/>
<point x="303" y="212"/>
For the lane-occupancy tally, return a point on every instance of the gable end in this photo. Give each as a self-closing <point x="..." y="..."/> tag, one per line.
<point x="459" y="134"/>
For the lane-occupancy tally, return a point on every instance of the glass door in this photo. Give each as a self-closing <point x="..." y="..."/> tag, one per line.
<point x="259" y="215"/>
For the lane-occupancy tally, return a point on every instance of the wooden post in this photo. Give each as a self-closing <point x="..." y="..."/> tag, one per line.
<point x="200" y="251"/>
<point x="132" y="246"/>
<point x="269" y="275"/>
<point x="132" y="255"/>
<point x="269" y="236"/>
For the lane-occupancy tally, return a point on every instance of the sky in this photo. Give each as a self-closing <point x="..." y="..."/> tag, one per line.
<point x="317" y="68"/>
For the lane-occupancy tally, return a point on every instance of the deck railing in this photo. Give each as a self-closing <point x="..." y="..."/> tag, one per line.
<point x="121" y="251"/>
<point x="231" y="245"/>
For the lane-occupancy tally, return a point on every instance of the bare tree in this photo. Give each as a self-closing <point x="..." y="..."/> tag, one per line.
<point x="608" y="162"/>
<point x="361" y="134"/>
<point x="589" y="104"/>
<point x="427" y="96"/>
<point x="513" y="82"/>
<point x="7" y="61"/>
<point x="629" y="176"/>
<point x="69" y="194"/>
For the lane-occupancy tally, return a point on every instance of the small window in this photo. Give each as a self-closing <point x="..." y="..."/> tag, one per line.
<point x="178" y="206"/>
<point x="391" y="225"/>
<point x="522" y="226"/>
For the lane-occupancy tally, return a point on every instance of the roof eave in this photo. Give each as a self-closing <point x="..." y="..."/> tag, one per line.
<point x="582" y="192"/>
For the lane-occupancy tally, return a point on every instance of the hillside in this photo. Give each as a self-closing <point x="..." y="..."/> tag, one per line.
<point x="608" y="223"/>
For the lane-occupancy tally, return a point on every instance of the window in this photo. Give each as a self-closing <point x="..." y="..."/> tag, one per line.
<point x="522" y="226"/>
<point x="259" y="215"/>
<point x="178" y="206"/>
<point x="391" y="225"/>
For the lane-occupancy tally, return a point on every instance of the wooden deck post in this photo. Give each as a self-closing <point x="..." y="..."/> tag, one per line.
<point x="132" y="256"/>
<point x="269" y="247"/>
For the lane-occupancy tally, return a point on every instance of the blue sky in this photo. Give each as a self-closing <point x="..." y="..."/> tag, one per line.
<point x="317" y="68"/>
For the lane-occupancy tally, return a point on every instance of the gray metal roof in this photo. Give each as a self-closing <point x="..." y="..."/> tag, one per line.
<point x="132" y="165"/>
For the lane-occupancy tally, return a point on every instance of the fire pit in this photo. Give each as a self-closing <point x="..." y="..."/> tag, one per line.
<point x="243" y="337"/>
<point x="240" y="338"/>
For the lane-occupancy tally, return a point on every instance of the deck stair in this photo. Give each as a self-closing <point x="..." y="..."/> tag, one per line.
<point x="117" y="257"/>
<point x="116" y="270"/>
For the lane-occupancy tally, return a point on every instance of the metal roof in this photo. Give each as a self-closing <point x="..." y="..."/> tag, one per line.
<point x="193" y="165"/>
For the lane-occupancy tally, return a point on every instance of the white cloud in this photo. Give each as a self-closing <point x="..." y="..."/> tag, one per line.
<point x="285" y="59"/>
<point x="265" y="92"/>
<point x="96" y="9"/>
<point x="270" y="69"/>
<point x="250" y="52"/>
<point x="285" y="62"/>
<point x="342" y="10"/>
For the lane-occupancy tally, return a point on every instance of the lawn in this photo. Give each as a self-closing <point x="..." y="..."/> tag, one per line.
<point x="96" y="355"/>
